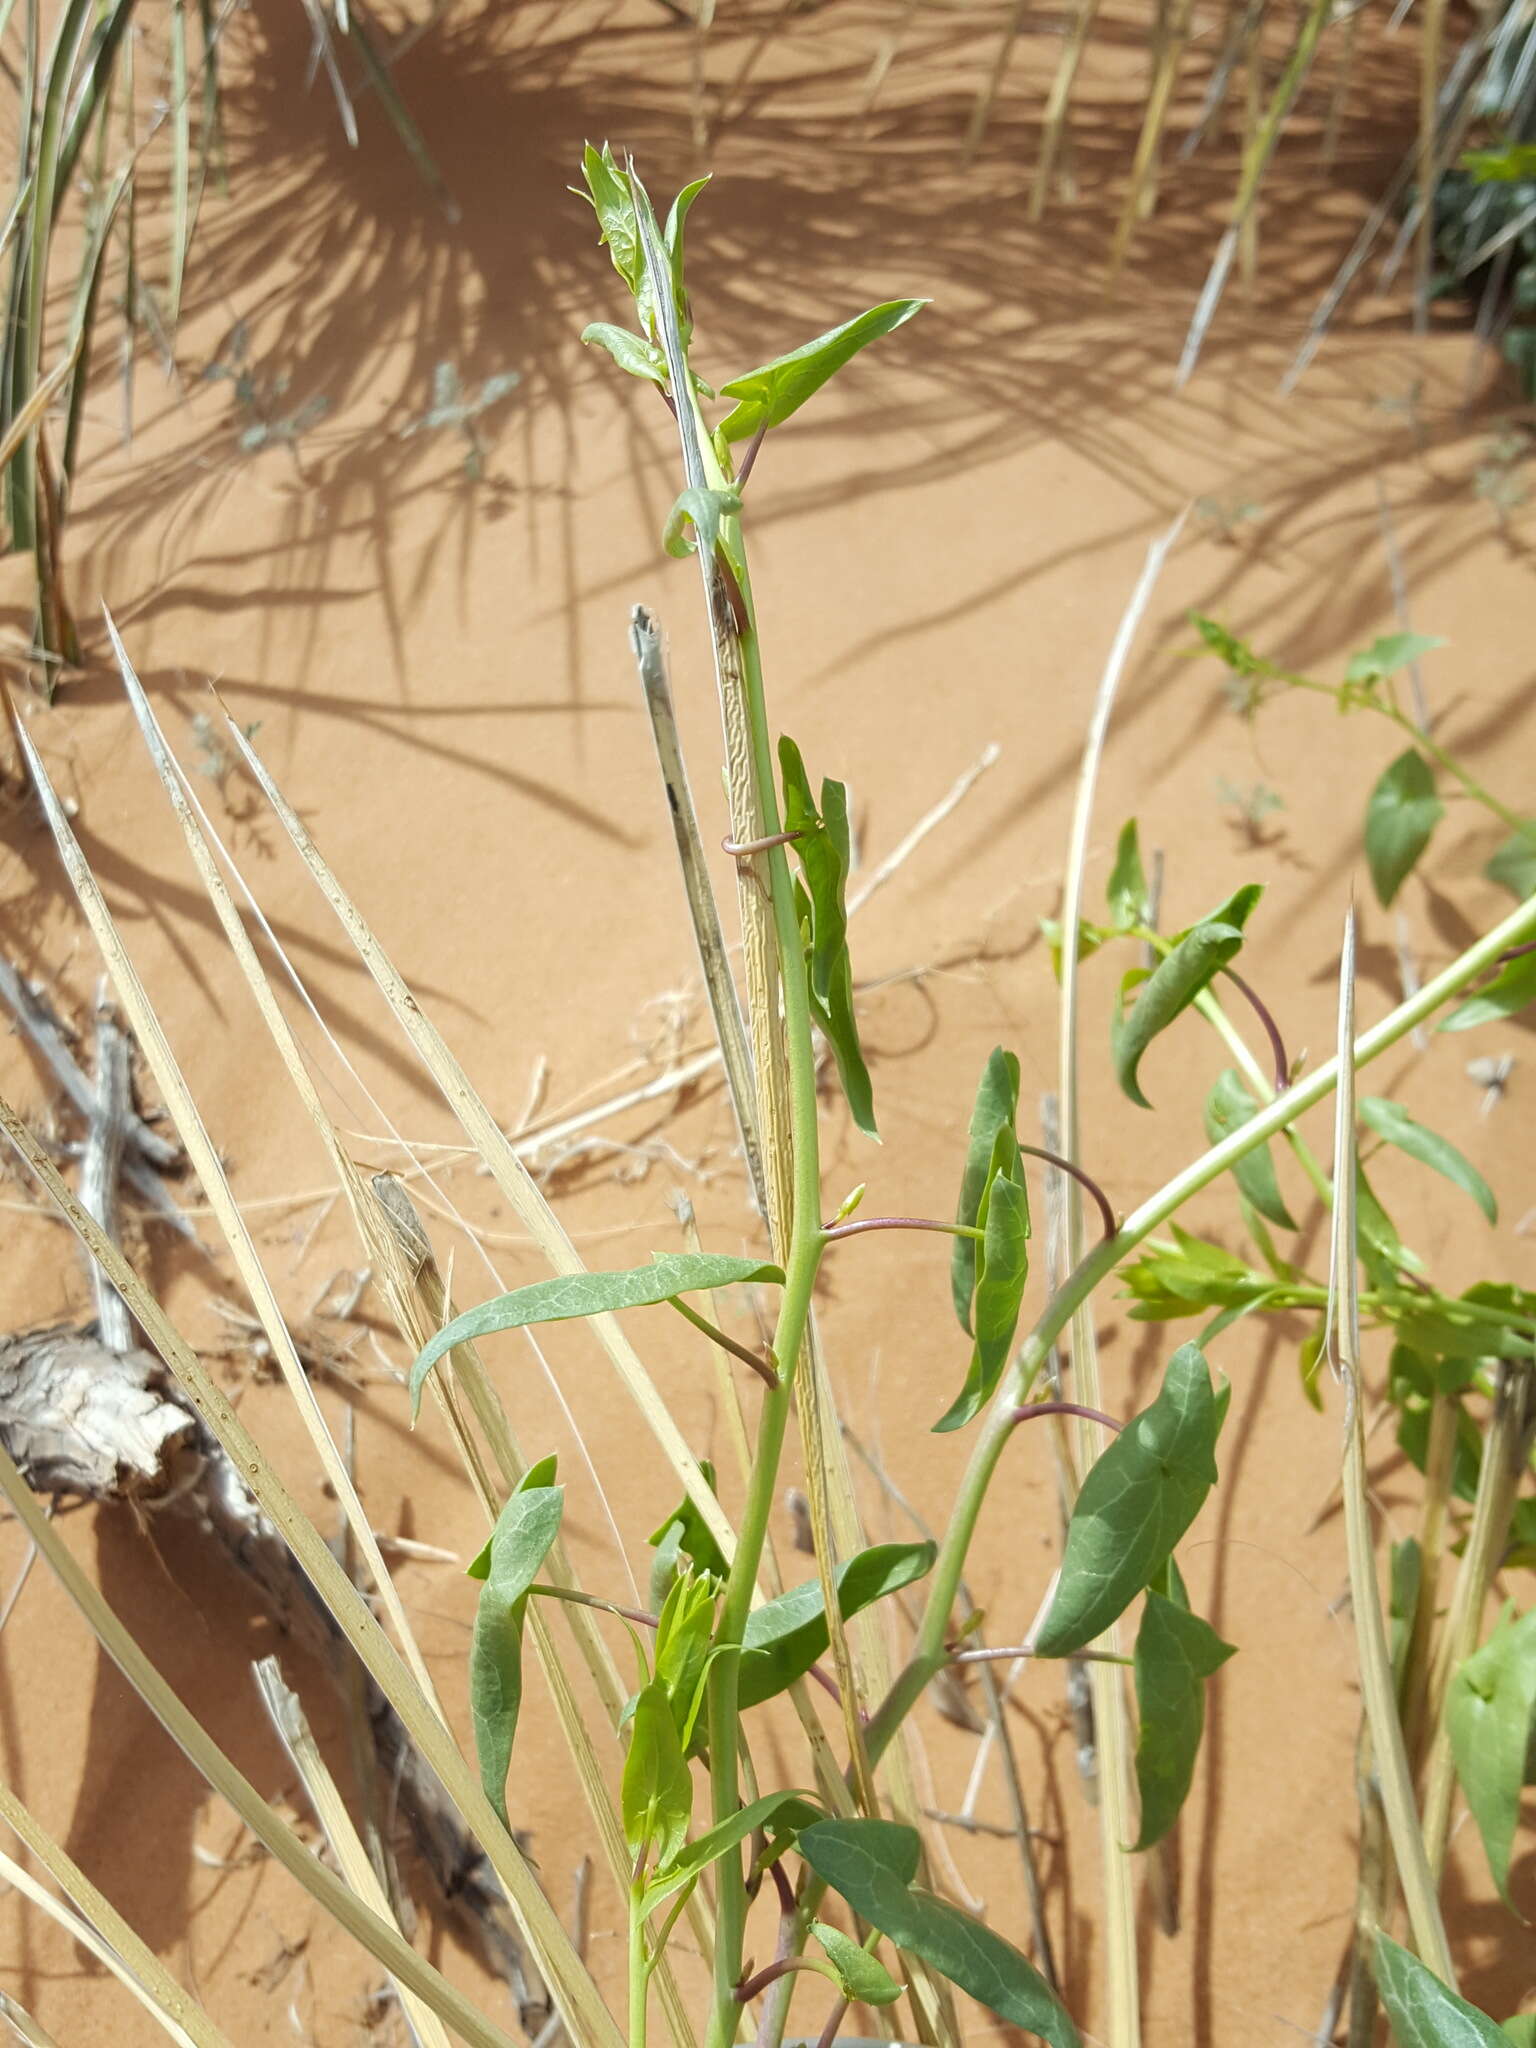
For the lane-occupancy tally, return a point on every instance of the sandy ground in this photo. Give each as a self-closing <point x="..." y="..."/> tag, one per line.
<point x="942" y="547"/>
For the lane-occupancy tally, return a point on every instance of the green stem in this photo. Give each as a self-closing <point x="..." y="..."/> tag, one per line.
<point x="928" y="1653"/>
<point x="639" y="1972"/>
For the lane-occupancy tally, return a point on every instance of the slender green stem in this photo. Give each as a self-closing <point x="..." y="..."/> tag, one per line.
<point x="639" y="1971"/>
<point x="760" y="1366"/>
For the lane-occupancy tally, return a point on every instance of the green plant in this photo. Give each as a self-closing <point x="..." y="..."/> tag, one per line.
<point x="695" y="1835"/>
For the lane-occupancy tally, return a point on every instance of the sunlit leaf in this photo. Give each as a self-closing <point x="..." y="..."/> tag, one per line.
<point x="1135" y="1505"/>
<point x="1127" y="890"/>
<point x="1176" y="1652"/>
<point x="1400" y="817"/>
<point x="996" y="1108"/>
<point x="639" y="357"/>
<point x="696" y="1856"/>
<point x="768" y="396"/>
<point x="1174" y="983"/>
<point x="861" y="1976"/>
<point x="1390" y="1121"/>
<point x="1490" y="1713"/>
<point x="1002" y="1270"/>
<point x="1424" y="2012"/>
<point x="685" y="1533"/>
<point x="1181" y="1279"/>
<point x="525" y="1529"/>
<point x="1512" y="989"/>
<point x="1384" y="657"/>
<point x="571" y="1295"/>
<point x="656" y="1793"/>
<point x="872" y="1864"/>
<point x="784" y="1637"/>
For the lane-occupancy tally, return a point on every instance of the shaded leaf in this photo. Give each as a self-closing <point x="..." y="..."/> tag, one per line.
<point x="525" y="1529"/>
<point x="1402" y="813"/>
<point x="1089" y="939"/>
<point x="1002" y="1271"/>
<point x="1174" y="983"/>
<point x="768" y="396"/>
<point x="1227" y="1108"/>
<point x="1384" y="657"/>
<point x="824" y="854"/>
<point x="871" y="1864"/>
<point x="1127" y="890"/>
<point x="1237" y="654"/>
<point x="1490" y="1711"/>
<point x="1310" y="1358"/>
<point x="1407" y="1574"/>
<point x="1176" y="1652"/>
<point x="1135" y="1505"/>
<point x="1390" y="1121"/>
<point x="784" y="1637"/>
<point x="704" y="512"/>
<point x="1510" y="991"/>
<point x="996" y="1109"/>
<point x="656" y="1794"/>
<point x="860" y="1975"/>
<point x="571" y="1295"/>
<point x="1513" y="867"/>
<point x="1424" y="2012"/>
<point x="639" y="357"/>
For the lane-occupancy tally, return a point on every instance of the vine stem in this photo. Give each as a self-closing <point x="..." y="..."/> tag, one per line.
<point x="929" y="1654"/>
<point x="639" y="1974"/>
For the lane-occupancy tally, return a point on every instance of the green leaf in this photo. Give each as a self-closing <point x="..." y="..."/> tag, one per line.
<point x="571" y="1295"/>
<point x="824" y="851"/>
<point x="1521" y="2030"/>
<point x="784" y="1637"/>
<point x="1512" y="988"/>
<point x="1309" y="1360"/>
<point x="1384" y="657"/>
<point x="1424" y="2012"/>
<point x="1227" y="1108"/>
<point x="1089" y="939"/>
<point x="631" y="352"/>
<point x="825" y="855"/>
<point x="996" y="1109"/>
<point x="525" y="1529"/>
<point x="1490" y="1711"/>
<point x="1402" y="814"/>
<point x="1173" y="985"/>
<point x="696" y="1856"/>
<point x="540" y="1474"/>
<point x="871" y="1864"/>
<point x="704" y="511"/>
<point x="683" y="1633"/>
<point x="1127" y="891"/>
<point x="677" y="216"/>
<point x="614" y="205"/>
<point x="1176" y="1652"/>
<point x="1237" y="654"/>
<point x="1002" y="1271"/>
<point x="1180" y="1279"/>
<point x="768" y="396"/>
<point x="861" y="1977"/>
<point x="1135" y="1505"/>
<point x="685" y="1533"/>
<point x="656" y="1793"/>
<point x="1513" y="867"/>
<point x="1393" y="1123"/>
<point x="1407" y="1576"/>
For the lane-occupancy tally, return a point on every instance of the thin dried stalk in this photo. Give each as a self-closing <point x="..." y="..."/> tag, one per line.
<point x="1111" y="1717"/>
<point x="352" y="1859"/>
<point x="1376" y="1682"/>
<point x="1057" y="103"/>
<point x="102" y="1930"/>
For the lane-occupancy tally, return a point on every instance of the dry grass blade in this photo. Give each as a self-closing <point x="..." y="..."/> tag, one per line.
<point x="398" y="1249"/>
<point x="104" y="1933"/>
<point x="38" y="403"/>
<point x="490" y="1141"/>
<point x="986" y="98"/>
<point x="203" y="1156"/>
<point x="342" y="1838"/>
<point x="574" y="1991"/>
<point x="1141" y="197"/>
<point x="22" y="2024"/>
<point x="380" y="1939"/>
<point x="1376" y="1680"/>
<point x="1057" y="103"/>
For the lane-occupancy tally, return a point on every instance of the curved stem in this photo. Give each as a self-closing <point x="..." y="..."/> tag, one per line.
<point x="835" y="1231"/>
<point x="1271" y="1028"/>
<point x="1084" y="1180"/>
<point x="760" y="1366"/>
<point x="1033" y="1408"/>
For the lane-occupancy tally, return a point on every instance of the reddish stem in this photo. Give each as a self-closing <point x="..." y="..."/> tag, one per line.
<point x="1033" y="1408"/>
<point x="1271" y="1029"/>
